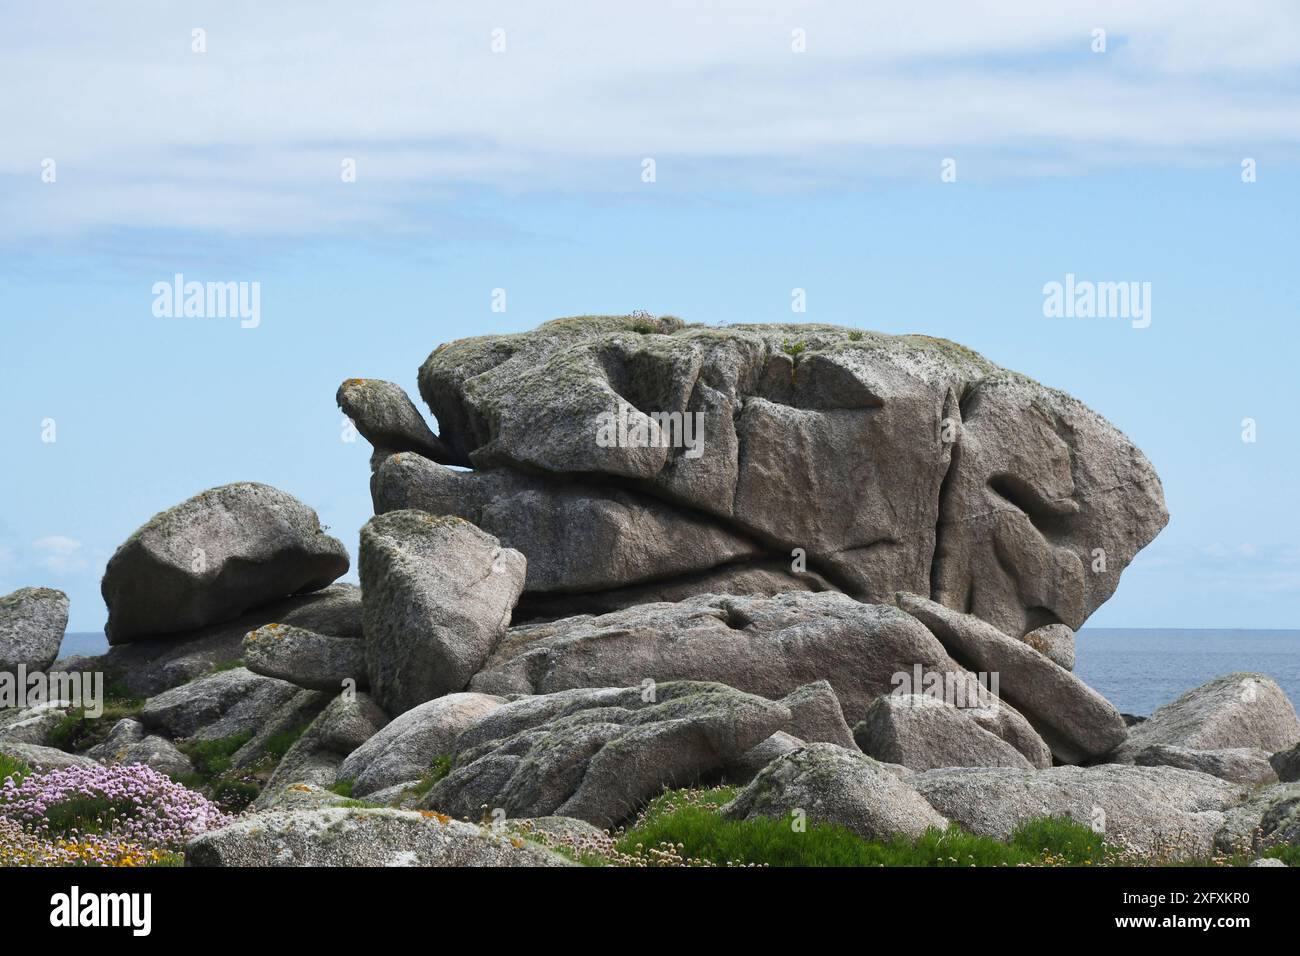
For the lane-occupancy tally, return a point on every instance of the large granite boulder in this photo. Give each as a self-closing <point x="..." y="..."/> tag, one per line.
<point x="338" y="836"/>
<point x="306" y="658"/>
<point x="437" y="594"/>
<point x="404" y="751"/>
<point x="600" y="755"/>
<point x="1076" y="721"/>
<point x="893" y="463"/>
<point x="32" y="622"/>
<point x="1161" y="811"/>
<point x="1286" y="764"/>
<point x="923" y="733"/>
<point x="768" y="646"/>
<point x="213" y="557"/>
<point x="1233" y="711"/>
<point x="225" y="704"/>
<point x="829" y="784"/>
<point x="128" y="743"/>
<point x="43" y="758"/>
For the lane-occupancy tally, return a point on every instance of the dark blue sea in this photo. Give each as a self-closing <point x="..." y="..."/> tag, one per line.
<point x="1136" y="669"/>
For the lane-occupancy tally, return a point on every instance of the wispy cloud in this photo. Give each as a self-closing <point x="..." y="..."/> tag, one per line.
<point x="249" y="136"/>
<point x="60" y="554"/>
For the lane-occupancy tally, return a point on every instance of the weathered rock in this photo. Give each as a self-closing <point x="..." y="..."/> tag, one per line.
<point x="1286" y="764"/>
<point x="339" y="836"/>
<point x="830" y="784"/>
<point x="213" y="557"/>
<point x="405" y="749"/>
<point x="1237" y="710"/>
<point x="830" y="440"/>
<point x="299" y="796"/>
<point x="127" y="743"/>
<point x="34" y="724"/>
<point x="345" y="724"/>
<point x="816" y="715"/>
<point x="1055" y="642"/>
<point x="149" y="667"/>
<point x="1266" y="818"/>
<point x="43" y="758"/>
<point x="1161" y="811"/>
<point x="750" y="578"/>
<point x="762" y="645"/>
<point x="751" y="763"/>
<point x="599" y="755"/>
<point x="289" y="718"/>
<point x="1246" y="765"/>
<point x="218" y="706"/>
<point x="1267" y="862"/>
<point x="388" y="419"/>
<point x="1076" y="721"/>
<point x="306" y="658"/>
<point x="922" y="733"/>
<point x="578" y="536"/>
<point x="32" y="622"/>
<point x="436" y="598"/>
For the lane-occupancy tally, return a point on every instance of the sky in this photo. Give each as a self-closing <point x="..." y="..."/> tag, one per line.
<point x="927" y="169"/>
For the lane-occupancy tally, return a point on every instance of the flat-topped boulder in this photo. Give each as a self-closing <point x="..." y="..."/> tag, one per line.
<point x="892" y="463"/>
<point x="213" y="557"/>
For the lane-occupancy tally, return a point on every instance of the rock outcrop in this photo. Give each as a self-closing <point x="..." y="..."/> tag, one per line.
<point x="1161" y="811"/>
<point x="337" y="836"/>
<point x="829" y="784"/>
<point x="436" y="599"/>
<point x="767" y="646"/>
<point x="600" y="755"/>
<point x="306" y="658"/>
<point x="894" y="463"/>
<point x="213" y="557"/>
<point x="923" y="733"/>
<point x="404" y="751"/>
<point x="1236" y="710"/>
<point x="32" y="622"/>
<point x="1076" y="721"/>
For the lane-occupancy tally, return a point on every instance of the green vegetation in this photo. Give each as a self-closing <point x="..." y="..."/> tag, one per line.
<point x="855" y="336"/>
<point x="683" y="828"/>
<point x="13" y="767"/>
<point x="440" y="767"/>
<point x="76" y="732"/>
<point x="343" y="787"/>
<point x="280" y="744"/>
<point x="793" y="349"/>
<point x="212" y="758"/>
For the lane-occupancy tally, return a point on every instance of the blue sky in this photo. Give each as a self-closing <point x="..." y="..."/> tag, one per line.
<point x="522" y="170"/>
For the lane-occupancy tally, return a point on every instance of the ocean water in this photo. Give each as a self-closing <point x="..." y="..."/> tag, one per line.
<point x="1136" y="669"/>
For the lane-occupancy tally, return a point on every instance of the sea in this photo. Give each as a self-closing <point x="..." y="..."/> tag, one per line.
<point x="1136" y="669"/>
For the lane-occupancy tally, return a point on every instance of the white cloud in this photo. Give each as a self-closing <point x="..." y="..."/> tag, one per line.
<point x="248" y="137"/>
<point x="60" y="554"/>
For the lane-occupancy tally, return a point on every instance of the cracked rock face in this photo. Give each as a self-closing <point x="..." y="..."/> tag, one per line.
<point x="896" y="463"/>
<point x="32" y="622"/>
<point x="599" y="755"/>
<point x="768" y="646"/>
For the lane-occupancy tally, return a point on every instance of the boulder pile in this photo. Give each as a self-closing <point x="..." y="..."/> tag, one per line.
<point x="839" y="570"/>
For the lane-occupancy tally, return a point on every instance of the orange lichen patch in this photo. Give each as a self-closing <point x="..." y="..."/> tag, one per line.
<point x="301" y="788"/>
<point x="517" y="843"/>
<point x="353" y="382"/>
<point x="435" y="815"/>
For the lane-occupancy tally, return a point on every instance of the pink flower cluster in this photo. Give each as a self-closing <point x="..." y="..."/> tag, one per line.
<point x="132" y="803"/>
